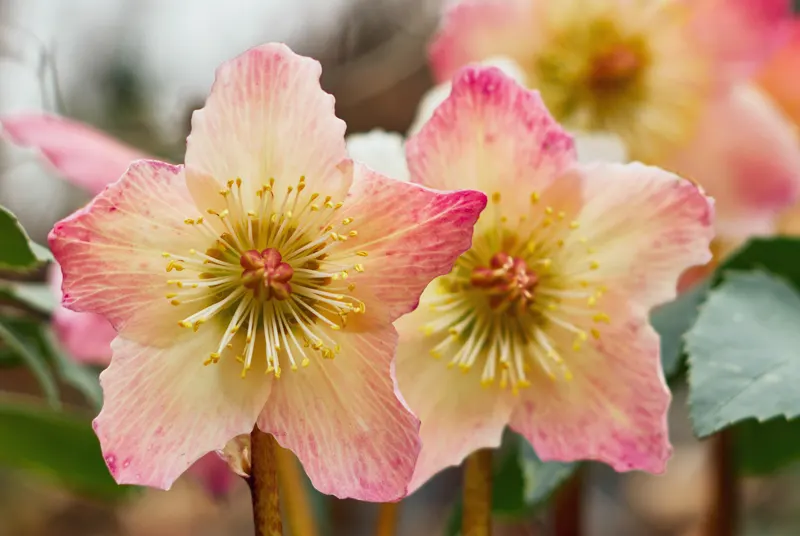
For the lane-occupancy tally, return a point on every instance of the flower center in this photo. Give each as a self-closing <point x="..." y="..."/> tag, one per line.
<point x="275" y="276"/>
<point x="615" y="69"/>
<point x="521" y="301"/>
<point x="266" y="275"/>
<point x="507" y="282"/>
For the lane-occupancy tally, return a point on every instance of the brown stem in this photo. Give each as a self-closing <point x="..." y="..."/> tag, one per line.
<point x="723" y="516"/>
<point x="263" y="483"/>
<point x="568" y="507"/>
<point x="476" y="519"/>
<point x="388" y="514"/>
<point x="296" y="502"/>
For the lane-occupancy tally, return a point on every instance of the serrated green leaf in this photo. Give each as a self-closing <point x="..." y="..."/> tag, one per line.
<point x="17" y="251"/>
<point x="672" y="320"/>
<point x="59" y="446"/>
<point x="743" y="353"/>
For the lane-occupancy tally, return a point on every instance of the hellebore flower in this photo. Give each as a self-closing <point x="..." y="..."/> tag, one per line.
<point x="670" y="78"/>
<point x="543" y="324"/>
<point x="257" y="285"/>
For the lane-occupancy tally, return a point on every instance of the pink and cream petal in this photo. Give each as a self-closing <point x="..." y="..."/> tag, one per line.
<point x="84" y="156"/>
<point x="345" y="420"/>
<point x="458" y="416"/>
<point x="640" y="228"/>
<point x="111" y="251"/>
<point x="613" y="410"/>
<point x="738" y="34"/>
<point x="411" y="235"/>
<point x="493" y="135"/>
<point x="163" y="409"/>
<point x="437" y="95"/>
<point x="474" y="30"/>
<point x="266" y="118"/>
<point x="745" y="154"/>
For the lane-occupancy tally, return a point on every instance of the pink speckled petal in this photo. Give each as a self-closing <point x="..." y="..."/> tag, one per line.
<point x="84" y="156"/>
<point x="745" y="155"/>
<point x="344" y="419"/>
<point x="213" y="473"/>
<point x="163" y="409"/>
<point x="614" y="410"/>
<point x="266" y="117"/>
<point x="493" y="135"/>
<point x="738" y="34"/>
<point x="412" y="234"/>
<point x="475" y="30"/>
<point x="110" y="252"/>
<point x="458" y="415"/>
<point x="86" y="336"/>
<point x="779" y="76"/>
<point x="640" y="228"/>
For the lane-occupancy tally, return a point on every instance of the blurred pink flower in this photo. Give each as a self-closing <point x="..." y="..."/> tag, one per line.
<point x="277" y="263"/>
<point x="546" y="316"/>
<point x="668" y="77"/>
<point x="92" y="160"/>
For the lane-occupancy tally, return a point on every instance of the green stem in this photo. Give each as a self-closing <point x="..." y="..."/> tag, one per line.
<point x="568" y="507"/>
<point x="34" y="363"/>
<point x="387" y="519"/>
<point x="723" y="517"/>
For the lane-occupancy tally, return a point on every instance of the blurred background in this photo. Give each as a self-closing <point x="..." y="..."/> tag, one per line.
<point x="137" y="69"/>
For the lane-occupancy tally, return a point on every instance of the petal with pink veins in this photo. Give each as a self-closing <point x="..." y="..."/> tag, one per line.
<point x="644" y="227"/>
<point x="745" y="155"/>
<point x="163" y="409"/>
<point x="345" y="420"/>
<point x="266" y="118"/>
<point x="84" y="156"/>
<point x="492" y="135"/>
<point x="111" y="251"/>
<point x="474" y="30"/>
<point x="411" y="235"/>
<point x="738" y="34"/>
<point x="458" y="416"/>
<point x="614" y="410"/>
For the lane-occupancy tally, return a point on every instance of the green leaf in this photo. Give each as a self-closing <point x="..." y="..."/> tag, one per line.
<point x="672" y="320"/>
<point x="59" y="446"/>
<point x="743" y="353"/>
<point x="81" y="377"/>
<point x="777" y="255"/>
<point x="764" y="447"/>
<point x="26" y="345"/>
<point x="35" y="296"/>
<point x="17" y="251"/>
<point x="542" y="479"/>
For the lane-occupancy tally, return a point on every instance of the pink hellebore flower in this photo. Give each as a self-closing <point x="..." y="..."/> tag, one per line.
<point x="91" y="159"/>
<point x="666" y="76"/>
<point x="257" y="285"/>
<point x="544" y="321"/>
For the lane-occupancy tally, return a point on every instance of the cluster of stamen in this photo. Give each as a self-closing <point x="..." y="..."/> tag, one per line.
<point x="275" y="275"/>
<point x="511" y="299"/>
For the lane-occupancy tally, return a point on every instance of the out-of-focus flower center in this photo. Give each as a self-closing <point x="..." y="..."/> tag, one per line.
<point x="275" y="275"/>
<point x="521" y="300"/>
<point x="507" y="282"/>
<point x="629" y="70"/>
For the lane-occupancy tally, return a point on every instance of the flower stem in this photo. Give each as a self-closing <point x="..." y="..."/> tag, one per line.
<point x="263" y="483"/>
<point x="296" y="501"/>
<point x="476" y="519"/>
<point x="723" y="516"/>
<point x="387" y="519"/>
<point x="568" y="507"/>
